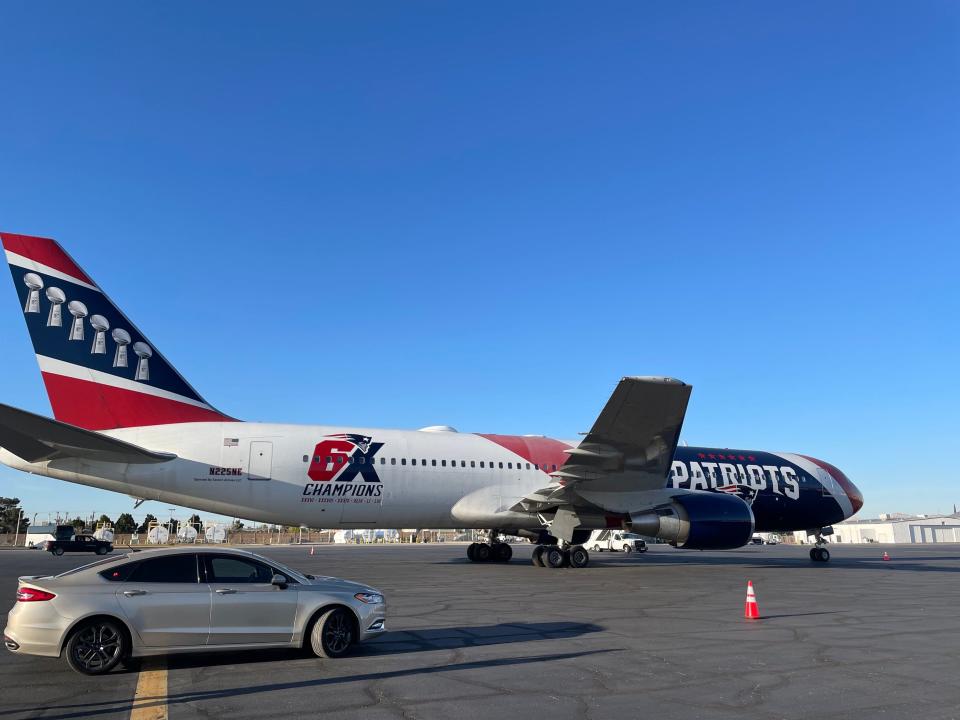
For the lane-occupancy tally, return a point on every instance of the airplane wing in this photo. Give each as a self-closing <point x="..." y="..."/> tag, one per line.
<point x="36" y="438"/>
<point x="623" y="462"/>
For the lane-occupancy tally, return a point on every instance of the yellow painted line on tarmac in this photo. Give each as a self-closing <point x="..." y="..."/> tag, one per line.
<point x="150" y="699"/>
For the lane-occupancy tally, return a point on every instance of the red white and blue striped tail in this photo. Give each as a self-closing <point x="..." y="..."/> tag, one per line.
<point x="100" y="371"/>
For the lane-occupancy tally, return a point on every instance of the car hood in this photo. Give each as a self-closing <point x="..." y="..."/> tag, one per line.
<point x="321" y="582"/>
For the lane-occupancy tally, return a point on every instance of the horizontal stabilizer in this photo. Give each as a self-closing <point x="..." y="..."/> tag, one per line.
<point x="36" y="439"/>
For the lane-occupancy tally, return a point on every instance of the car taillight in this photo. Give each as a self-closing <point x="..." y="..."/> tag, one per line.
<point x="27" y="594"/>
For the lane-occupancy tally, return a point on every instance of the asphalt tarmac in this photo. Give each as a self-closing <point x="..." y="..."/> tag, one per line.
<point x="658" y="635"/>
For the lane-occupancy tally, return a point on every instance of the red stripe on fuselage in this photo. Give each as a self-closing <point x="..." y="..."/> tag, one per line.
<point x="537" y="450"/>
<point x="45" y="251"/>
<point x="96" y="406"/>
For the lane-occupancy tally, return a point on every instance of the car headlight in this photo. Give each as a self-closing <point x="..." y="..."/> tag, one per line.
<point x="369" y="598"/>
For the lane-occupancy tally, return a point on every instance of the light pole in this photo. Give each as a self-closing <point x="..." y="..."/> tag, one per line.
<point x="16" y="537"/>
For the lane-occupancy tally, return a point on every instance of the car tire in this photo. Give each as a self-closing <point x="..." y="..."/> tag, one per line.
<point x="627" y="548"/>
<point x="333" y="633"/>
<point x="101" y="550"/>
<point x="596" y="548"/>
<point x="96" y="646"/>
<point x="57" y="551"/>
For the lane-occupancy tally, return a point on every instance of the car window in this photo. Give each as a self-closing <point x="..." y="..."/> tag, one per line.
<point x="179" y="568"/>
<point x="225" y="569"/>
<point x="119" y="573"/>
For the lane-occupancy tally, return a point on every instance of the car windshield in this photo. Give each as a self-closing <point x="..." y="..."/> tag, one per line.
<point x="631" y="536"/>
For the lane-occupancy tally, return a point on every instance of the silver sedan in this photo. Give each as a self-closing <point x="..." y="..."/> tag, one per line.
<point x="156" y="602"/>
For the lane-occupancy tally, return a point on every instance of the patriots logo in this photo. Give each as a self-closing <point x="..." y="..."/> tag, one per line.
<point x="361" y="441"/>
<point x="744" y="492"/>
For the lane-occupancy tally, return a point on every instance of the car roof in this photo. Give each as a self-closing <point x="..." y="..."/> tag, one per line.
<point x="140" y="554"/>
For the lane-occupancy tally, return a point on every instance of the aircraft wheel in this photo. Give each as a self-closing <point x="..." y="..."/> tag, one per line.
<point x="537" y="558"/>
<point x="502" y="552"/>
<point x="824" y="555"/>
<point x="579" y="557"/>
<point x="472" y="552"/>
<point x="482" y="552"/>
<point x="554" y="557"/>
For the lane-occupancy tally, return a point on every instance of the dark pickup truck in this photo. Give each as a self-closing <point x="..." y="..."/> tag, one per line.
<point x="79" y="543"/>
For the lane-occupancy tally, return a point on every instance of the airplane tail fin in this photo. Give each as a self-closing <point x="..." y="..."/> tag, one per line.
<point x="100" y="371"/>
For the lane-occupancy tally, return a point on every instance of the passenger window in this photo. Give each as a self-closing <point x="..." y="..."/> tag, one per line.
<point x="509" y="466"/>
<point x="329" y="459"/>
<point x="463" y="463"/>
<point x="423" y="462"/>
<point x="339" y="459"/>
<point x="473" y="463"/>
<point x="528" y="466"/>
<point x="443" y="463"/>
<point x="413" y="461"/>
<point x="433" y="463"/>
<point x="225" y="569"/>
<point x="119" y="573"/>
<point x="316" y="458"/>
<point x="393" y="461"/>
<point x="554" y="467"/>
<point x="403" y="461"/>
<point x="481" y="463"/>
<point x="383" y="461"/>
<point x="179" y="568"/>
<point x="501" y="466"/>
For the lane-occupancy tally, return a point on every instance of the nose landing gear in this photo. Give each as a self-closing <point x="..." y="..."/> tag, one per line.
<point x="819" y="552"/>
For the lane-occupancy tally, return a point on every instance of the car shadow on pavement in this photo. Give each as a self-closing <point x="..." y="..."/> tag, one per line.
<point x="193" y="696"/>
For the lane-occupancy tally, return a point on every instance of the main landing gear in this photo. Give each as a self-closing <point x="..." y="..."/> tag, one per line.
<point x="489" y="552"/>
<point x="553" y="556"/>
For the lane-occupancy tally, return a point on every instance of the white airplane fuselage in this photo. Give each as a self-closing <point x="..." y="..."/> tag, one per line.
<point x="216" y="471"/>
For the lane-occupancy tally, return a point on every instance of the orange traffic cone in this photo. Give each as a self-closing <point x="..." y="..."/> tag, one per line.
<point x="750" y="609"/>
<point x="885" y="555"/>
<point x="312" y="549"/>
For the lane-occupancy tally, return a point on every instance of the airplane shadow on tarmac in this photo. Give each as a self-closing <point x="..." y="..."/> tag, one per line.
<point x="912" y="563"/>
<point x="84" y="710"/>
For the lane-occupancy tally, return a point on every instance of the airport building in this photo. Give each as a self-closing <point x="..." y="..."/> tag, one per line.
<point x="895" y="528"/>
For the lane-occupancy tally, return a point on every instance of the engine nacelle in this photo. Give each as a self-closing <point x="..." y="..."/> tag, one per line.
<point x="698" y="521"/>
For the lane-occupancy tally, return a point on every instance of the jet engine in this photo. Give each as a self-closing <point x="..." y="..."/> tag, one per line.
<point x="698" y="521"/>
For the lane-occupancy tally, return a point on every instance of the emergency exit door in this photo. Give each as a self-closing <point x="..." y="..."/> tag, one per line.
<point x="261" y="460"/>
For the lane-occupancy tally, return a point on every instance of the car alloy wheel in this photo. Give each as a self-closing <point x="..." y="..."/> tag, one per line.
<point x="96" y="647"/>
<point x="332" y="634"/>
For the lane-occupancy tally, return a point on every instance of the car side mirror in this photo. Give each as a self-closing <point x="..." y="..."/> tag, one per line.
<point x="279" y="580"/>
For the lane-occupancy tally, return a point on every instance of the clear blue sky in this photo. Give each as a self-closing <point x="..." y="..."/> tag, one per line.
<point x="401" y="214"/>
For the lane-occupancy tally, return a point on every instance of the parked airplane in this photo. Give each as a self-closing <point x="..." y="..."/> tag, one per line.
<point x="127" y="421"/>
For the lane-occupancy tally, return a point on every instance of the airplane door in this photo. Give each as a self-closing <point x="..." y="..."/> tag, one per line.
<point x="260" y="466"/>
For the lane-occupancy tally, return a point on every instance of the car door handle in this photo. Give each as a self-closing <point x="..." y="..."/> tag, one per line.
<point x="133" y="593"/>
<point x="226" y="591"/>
